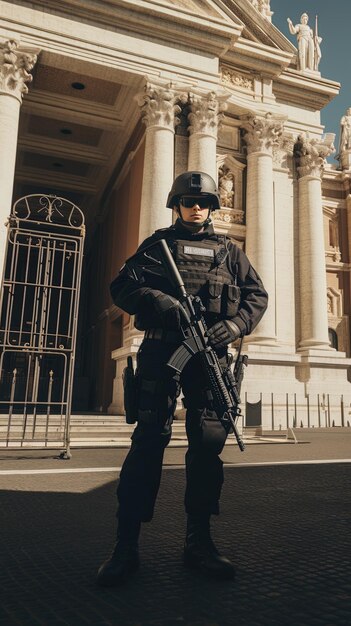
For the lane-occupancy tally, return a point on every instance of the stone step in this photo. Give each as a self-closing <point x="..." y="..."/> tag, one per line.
<point x="101" y="430"/>
<point x="84" y="424"/>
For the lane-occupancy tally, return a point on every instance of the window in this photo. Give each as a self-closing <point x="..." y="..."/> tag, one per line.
<point x="333" y="338"/>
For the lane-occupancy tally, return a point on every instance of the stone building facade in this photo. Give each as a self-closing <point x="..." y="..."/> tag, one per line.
<point x="105" y="104"/>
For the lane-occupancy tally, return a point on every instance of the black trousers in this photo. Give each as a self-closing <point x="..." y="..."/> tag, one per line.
<point x="141" y="472"/>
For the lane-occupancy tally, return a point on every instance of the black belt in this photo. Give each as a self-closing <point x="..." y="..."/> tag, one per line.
<point x="168" y="336"/>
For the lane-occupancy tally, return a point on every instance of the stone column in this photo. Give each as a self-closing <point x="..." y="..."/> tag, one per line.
<point x="159" y="111"/>
<point x="283" y="183"/>
<point x="204" y="117"/>
<point x="15" y="65"/>
<point x="310" y="155"/>
<point x="262" y="133"/>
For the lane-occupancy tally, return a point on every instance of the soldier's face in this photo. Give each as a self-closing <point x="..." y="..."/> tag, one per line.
<point x="196" y="209"/>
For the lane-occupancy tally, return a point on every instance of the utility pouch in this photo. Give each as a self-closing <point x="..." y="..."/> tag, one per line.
<point x="214" y="434"/>
<point x="232" y="300"/>
<point x="131" y="392"/>
<point x="214" y="301"/>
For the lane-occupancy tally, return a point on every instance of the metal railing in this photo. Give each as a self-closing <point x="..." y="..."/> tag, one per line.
<point x="273" y="411"/>
<point x="38" y="321"/>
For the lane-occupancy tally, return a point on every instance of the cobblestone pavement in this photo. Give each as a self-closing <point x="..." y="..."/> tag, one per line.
<point x="287" y="528"/>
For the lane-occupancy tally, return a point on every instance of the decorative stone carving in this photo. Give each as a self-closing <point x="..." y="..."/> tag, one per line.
<point x="333" y="257"/>
<point x="206" y="113"/>
<point x="226" y="186"/>
<point x="263" y="6"/>
<point x="311" y="154"/>
<point x="279" y="157"/>
<point x="334" y="297"/>
<point x="15" y="68"/>
<point x="308" y="44"/>
<point x="182" y="126"/>
<point x="230" y="183"/>
<point x="232" y="78"/>
<point x="262" y="133"/>
<point x="283" y="150"/>
<point x="229" y="216"/>
<point x="333" y="253"/>
<point x="158" y="105"/>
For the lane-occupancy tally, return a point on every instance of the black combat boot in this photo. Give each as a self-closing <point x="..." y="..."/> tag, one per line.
<point x="201" y="553"/>
<point x="124" y="560"/>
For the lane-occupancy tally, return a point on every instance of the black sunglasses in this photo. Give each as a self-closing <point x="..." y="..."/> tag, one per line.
<point x="204" y="202"/>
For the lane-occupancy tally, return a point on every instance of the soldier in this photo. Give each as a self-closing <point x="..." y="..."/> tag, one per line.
<point x="213" y="267"/>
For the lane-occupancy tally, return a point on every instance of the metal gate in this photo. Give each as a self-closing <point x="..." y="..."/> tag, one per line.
<point x="38" y="321"/>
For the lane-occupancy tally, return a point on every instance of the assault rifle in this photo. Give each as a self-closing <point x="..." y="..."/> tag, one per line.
<point x="223" y="386"/>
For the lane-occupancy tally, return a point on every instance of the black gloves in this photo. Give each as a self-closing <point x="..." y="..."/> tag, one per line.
<point x="223" y="333"/>
<point x="167" y="307"/>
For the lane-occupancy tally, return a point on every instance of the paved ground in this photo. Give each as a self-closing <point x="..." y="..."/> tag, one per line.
<point x="286" y="526"/>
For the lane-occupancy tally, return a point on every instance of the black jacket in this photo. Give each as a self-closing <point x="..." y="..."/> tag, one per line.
<point x="133" y="297"/>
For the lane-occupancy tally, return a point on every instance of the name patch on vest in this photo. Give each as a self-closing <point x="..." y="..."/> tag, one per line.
<point x="199" y="251"/>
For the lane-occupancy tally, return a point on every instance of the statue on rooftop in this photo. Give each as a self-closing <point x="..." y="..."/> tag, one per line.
<point x="263" y="6"/>
<point x="344" y="155"/>
<point x="345" y="133"/>
<point x="308" y="44"/>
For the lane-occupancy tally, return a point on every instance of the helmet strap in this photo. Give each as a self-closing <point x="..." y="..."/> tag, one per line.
<point x="193" y="227"/>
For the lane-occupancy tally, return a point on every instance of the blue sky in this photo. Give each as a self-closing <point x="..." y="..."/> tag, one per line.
<point x="334" y="25"/>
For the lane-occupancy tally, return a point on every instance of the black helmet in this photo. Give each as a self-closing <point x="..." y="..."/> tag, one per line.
<point x="193" y="183"/>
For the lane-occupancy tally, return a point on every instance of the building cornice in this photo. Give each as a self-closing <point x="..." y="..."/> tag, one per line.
<point x="153" y="18"/>
<point x="337" y="266"/>
<point x="258" y="57"/>
<point x="256" y="27"/>
<point x="307" y="90"/>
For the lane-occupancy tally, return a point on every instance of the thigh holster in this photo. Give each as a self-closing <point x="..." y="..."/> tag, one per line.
<point x="214" y="434"/>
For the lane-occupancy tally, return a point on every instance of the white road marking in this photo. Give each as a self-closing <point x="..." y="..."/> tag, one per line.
<point x="309" y="462"/>
<point x="73" y="470"/>
<point x="95" y="470"/>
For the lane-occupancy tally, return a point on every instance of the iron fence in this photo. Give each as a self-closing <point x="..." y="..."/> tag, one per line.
<point x="281" y="411"/>
<point x="38" y="321"/>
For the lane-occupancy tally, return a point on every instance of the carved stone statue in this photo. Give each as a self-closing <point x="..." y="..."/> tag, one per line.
<point x="308" y="45"/>
<point x="345" y="131"/>
<point x="226" y="184"/>
<point x="263" y="6"/>
<point x="344" y="155"/>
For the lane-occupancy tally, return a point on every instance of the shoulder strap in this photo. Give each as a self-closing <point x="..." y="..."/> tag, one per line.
<point x="223" y="252"/>
<point x="165" y="230"/>
<point x="221" y="239"/>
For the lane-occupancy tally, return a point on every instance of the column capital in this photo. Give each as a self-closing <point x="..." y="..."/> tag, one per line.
<point x="206" y="113"/>
<point x="262" y="132"/>
<point x="283" y="150"/>
<point x="16" y="63"/>
<point x="159" y="105"/>
<point x="310" y="155"/>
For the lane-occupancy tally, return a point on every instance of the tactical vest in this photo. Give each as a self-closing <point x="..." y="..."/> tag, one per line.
<point x="202" y="266"/>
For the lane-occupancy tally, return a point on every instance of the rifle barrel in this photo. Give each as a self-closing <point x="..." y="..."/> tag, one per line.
<point x="175" y="276"/>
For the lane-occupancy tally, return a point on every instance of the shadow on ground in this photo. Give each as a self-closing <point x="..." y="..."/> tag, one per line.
<point x="286" y="528"/>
